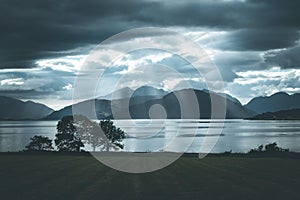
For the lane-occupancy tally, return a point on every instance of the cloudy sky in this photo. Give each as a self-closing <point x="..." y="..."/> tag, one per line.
<point x="254" y="44"/>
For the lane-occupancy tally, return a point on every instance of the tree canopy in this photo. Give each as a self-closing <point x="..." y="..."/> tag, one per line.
<point x="39" y="143"/>
<point x="114" y="135"/>
<point x="74" y="131"/>
<point x="67" y="137"/>
<point x="269" y="148"/>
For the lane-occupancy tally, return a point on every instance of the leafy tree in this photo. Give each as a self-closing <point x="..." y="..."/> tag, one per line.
<point x="39" y="143"/>
<point x="114" y="135"/>
<point x="73" y="131"/>
<point x="269" y="148"/>
<point x="92" y="135"/>
<point x="104" y="135"/>
<point x="272" y="147"/>
<point x="67" y="137"/>
<point x="260" y="148"/>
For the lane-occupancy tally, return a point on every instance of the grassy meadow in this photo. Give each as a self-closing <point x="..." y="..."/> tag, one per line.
<point x="80" y="176"/>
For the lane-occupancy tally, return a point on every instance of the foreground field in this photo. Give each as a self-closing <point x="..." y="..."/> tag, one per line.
<point x="54" y="176"/>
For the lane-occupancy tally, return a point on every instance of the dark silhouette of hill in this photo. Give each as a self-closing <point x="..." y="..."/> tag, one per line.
<point x="173" y="107"/>
<point x="293" y="114"/>
<point x="146" y="93"/>
<point x="139" y="106"/>
<point x="105" y="107"/>
<point x="149" y="91"/>
<point x="276" y="102"/>
<point x="102" y="107"/>
<point x="139" y="92"/>
<point x="118" y="94"/>
<point x="14" y="109"/>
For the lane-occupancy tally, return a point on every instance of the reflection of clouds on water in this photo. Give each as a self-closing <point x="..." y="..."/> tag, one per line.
<point x="238" y="135"/>
<point x="201" y="135"/>
<point x="15" y="135"/>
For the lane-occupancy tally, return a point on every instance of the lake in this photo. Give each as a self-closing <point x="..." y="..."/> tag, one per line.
<point x="171" y="135"/>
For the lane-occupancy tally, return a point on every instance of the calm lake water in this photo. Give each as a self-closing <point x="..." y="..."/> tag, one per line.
<point x="171" y="135"/>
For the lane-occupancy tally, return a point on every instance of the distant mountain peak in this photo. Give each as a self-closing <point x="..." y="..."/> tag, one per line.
<point x="275" y="102"/>
<point x="125" y="92"/>
<point x="145" y="87"/>
<point x="280" y="94"/>
<point x="147" y="90"/>
<point x="15" y="109"/>
<point x="139" y="105"/>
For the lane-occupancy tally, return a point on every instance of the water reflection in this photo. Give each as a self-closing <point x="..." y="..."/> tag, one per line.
<point x="171" y="135"/>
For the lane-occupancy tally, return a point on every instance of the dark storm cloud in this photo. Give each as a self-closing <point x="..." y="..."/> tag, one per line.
<point x="32" y="30"/>
<point x="258" y="39"/>
<point x="286" y="58"/>
<point x="40" y="29"/>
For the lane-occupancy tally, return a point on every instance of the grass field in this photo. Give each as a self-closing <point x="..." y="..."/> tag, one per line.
<point x="80" y="176"/>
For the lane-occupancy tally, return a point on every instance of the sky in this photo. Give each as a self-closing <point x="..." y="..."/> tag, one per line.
<point x="254" y="44"/>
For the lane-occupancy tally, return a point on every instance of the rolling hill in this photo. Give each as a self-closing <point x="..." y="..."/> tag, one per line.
<point x="118" y="94"/>
<point x="173" y="107"/>
<point x="14" y="109"/>
<point x="102" y="107"/>
<point x="276" y="102"/>
<point x="140" y="103"/>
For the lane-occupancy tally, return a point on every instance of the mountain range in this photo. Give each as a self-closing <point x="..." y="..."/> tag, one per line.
<point x="276" y="102"/>
<point x="137" y="104"/>
<point x="14" y="109"/>
<point x="179" y="104"/>
<point x="145" y="97"/>
<point x="117" y="102"/>
<point x="128" y="93"/>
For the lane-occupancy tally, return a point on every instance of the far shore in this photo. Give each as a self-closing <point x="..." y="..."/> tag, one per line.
<point x="146" y="154"/>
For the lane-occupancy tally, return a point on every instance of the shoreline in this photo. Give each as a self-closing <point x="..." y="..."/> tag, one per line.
<point x="149" y="154"/>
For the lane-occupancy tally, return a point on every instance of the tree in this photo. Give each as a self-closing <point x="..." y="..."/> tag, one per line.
<point x="269" y="148"/>
<point x="114" y="135"/>
<point x="74" y="131"/>
<point x="272" y="147"/>
<point x="104" y="135"/>
<point x="39" y="143"/>
<point x="260" y="148"/>
<point x="92" y="135"/>
<point x="67" y="137"/>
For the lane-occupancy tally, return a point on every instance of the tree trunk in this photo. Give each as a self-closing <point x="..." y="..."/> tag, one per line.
<point x="107" y="146"/>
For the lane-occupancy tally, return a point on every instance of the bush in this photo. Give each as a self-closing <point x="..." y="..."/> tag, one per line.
<point x="268" y="148"/>
<point x="39" y="143"/>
